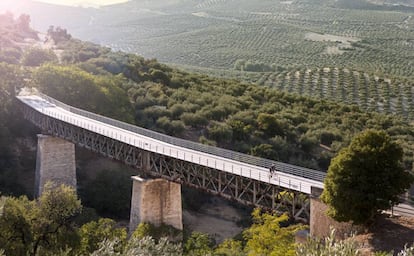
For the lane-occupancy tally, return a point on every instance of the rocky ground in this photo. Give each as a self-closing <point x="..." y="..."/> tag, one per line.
<point x="216" y="218"/>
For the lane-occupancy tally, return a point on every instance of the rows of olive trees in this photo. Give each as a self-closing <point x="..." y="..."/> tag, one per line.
<point x="369" y="91"/>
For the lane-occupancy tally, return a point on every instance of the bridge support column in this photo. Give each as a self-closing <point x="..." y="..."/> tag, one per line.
<point x="321" y="224"/>
<point x="146" y="161"/>
<point x="156" y="201"/>
<point x="55" y="162"/>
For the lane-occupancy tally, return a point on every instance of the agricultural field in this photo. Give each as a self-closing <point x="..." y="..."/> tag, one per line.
<point x="370" y="92"/>
<point x="288" y="34"/>
<point x="367" y="90"/>
<point x="354" y="51"/>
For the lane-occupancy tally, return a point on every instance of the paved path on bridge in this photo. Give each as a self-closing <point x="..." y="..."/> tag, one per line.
<point x="286" y="175"/>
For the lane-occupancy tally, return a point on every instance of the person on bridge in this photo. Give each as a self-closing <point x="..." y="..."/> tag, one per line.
<point x="272" y="170"/>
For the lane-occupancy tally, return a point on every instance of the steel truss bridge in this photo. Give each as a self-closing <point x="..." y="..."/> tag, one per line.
<point x="222" y="172"/>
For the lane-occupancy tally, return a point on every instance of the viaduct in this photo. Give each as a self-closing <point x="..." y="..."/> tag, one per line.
<point x="171" y="162"/>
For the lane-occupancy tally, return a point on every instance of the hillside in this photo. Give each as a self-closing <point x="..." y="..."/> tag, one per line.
<point x="355" y="52"/>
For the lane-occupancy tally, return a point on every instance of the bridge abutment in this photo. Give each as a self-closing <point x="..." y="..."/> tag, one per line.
<point x="55" y="161"/>
<point x="320" y="223"/>
<point x="156" y="201"/>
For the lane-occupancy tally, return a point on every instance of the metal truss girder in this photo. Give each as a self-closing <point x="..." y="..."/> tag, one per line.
<point x="231" y="186"/>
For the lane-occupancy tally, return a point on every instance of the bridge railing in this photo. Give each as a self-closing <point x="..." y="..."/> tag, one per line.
<point x="236" y="156"/>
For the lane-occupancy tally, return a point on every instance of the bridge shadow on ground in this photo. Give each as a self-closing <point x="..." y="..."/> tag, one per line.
<point x="389" y="234"/>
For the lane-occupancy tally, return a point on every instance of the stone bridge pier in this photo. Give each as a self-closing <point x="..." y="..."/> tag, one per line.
<point x="155" y="201"/>
<point x="55" y="161"/>
<point x="320" y="223"/>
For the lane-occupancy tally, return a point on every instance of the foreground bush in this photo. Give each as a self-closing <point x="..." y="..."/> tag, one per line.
<point x="328" y="247"/>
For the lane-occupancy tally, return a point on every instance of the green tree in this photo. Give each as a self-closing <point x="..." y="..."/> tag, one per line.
<point x="170" y="127"/>
<point x="194" y="119"/>
<point x="270" y="124"/>
<point x="365" y="177"/>
<point x="92" y="234"/>
<point x="10" y="55"/>
<point x="230" y="247"/>
<point x="157" y="232"/>
<point x="220" y="132"/>
<point x="265" y="151"/>
<point x="267" y="237"/>
<point x="42" y="226"/>
<point x="58" y="35"/>
<point x="73" y="86"/>
<point x="198" y="244"/>
<point x="36" y="56"/>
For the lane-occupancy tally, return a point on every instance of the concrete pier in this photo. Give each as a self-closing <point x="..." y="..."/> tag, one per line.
<point x="55" y="162"/>
<point x="155" y="201"/>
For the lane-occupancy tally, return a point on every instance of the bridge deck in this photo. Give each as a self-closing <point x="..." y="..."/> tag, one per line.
<point x="286" y="175"/>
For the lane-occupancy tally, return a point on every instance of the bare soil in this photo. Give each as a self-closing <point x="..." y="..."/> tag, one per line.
<point x="387" y="234"/>
<point x="216" y="218"/>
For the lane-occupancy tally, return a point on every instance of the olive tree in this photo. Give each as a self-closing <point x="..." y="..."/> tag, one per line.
<point x="365" y="177"/>
<point x="40" y="227"/>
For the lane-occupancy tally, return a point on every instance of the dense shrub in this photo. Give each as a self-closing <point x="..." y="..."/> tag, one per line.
<point x="36" y="56"/>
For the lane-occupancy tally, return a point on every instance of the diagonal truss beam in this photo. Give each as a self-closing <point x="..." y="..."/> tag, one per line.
<point x="231" y="186"/>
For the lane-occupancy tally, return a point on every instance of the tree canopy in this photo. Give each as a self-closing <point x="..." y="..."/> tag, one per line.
<point x="40" y="226"/>
<point x="100" y="94"/>
<point x="267" y="237"/>
<point x="365" y="177"/>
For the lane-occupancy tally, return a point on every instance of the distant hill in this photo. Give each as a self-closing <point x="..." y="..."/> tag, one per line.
<point x="393" y="2"/>
<point x="386" y="5"/>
